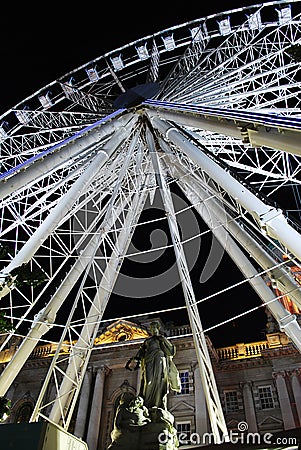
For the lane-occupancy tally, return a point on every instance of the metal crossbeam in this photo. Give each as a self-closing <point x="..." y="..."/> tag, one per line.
<point x="270" y="220"/>
<point x="228" y="232"/>
<point x="254" y="127"/>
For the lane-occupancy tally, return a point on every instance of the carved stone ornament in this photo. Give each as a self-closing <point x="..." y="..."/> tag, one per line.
<point x="120" y="331"/>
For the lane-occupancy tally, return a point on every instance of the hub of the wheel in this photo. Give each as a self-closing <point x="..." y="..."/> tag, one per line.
<point x="136" y="95"/>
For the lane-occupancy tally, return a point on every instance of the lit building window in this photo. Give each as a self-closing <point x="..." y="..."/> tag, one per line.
<point x="284" y="14"/>
<point x="117" y="62"/>
<point x="224" y="26"/>
<point x="185" y="382"/>
<point x="231" y="401"/>
<point x="92" y="74"/>
<point x="266" y="400"/>
<point x="254" y="21"/>
<point x="183" y="432"/>
<point x="142" y="52"/>
<point x="169" y="42"/>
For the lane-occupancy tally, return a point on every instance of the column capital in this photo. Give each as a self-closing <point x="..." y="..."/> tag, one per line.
<point x="104" y="369"/>
<point x="246" y="384"/>
<point x="295" y="372"/>
<point x="279" y="373"/>
<point x="194" y="365"/>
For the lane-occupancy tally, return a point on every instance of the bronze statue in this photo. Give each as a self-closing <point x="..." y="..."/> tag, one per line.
<point x="158" y="371"/>
<point x="142" y="419"/>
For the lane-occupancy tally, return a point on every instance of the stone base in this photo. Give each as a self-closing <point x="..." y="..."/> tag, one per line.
<point x="159" y="434"/>
<point x="155" y="433"/>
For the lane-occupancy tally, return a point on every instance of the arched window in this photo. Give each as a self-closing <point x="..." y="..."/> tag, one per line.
<point x="24" y="412"/>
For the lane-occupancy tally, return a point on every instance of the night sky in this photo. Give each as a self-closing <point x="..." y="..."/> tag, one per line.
<point x="43" y="42"/>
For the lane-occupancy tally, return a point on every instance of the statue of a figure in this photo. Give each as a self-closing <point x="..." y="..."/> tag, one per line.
<point x="130" y="418"/>
<point x="158" y="371"/>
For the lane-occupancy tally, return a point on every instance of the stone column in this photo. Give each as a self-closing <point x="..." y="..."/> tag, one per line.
<point x="295" y="377"/>
<point x="201" y="412"/>
<point x="95" y="415"/>
<point x="82" y="411"/>
<point x="284" y="400"/>
<point x="138" y="381"/>
<point x="249" y="407"/>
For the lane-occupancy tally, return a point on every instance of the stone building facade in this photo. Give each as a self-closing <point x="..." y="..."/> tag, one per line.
<point x="259" y="384"/>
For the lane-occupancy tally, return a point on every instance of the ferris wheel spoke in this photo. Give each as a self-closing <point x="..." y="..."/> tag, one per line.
<point x="268" y="170"/>
<point x="50" y="130"/>
<point x="29" y="169"/>
<point x="255" y="91"/>
<point x="85" y="99"/>
<point x="263" y="211"/>
<point x="218" y="216"/>
<point x="43" y="195"/>
<point x="88" y="211"/>
<point x="241" y="60"/>
<point x="57" y="249"/>
<point x="64" y="120"/>
<point x="214" y="59"/>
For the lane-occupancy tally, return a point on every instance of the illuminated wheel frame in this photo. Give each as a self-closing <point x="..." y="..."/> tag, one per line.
<point x="211" y="107"/>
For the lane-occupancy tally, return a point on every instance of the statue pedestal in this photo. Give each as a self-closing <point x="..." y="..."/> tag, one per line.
<point x="139" y="428"/>
<point x="159" y="434"/>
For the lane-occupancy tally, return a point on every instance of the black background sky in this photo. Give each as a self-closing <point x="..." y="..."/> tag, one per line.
<point x="42" y="41"/>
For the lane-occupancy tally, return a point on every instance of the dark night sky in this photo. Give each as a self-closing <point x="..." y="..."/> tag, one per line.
<point x="41" y="43"/>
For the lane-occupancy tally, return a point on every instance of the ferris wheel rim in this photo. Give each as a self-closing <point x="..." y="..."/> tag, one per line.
<point x="133" y="43"/>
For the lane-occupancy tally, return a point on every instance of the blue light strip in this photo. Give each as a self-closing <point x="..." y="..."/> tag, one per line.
<point x="270" y="120"/>
<point x="44" y="153"/>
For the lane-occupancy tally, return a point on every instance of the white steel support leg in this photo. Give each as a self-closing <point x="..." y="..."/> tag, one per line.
<point x="61" y="412"/>
<point x="278" y="273"/>
<point x="207" y="210"/>
<point x="58" y="213"/>
<point x="46" y="317"/>
<point x="65" y="402"/>
<point x="215" y="412"/>
<point x="270" y="220"/>
<point x="44" y="320"/>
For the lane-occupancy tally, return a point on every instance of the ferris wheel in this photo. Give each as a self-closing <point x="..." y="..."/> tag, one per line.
<point x="203" y="117"/>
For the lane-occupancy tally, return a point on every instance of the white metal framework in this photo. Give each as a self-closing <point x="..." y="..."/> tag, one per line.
<point x="208" y="112"/>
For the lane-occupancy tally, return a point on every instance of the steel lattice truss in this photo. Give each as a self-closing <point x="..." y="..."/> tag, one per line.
<point x="222" y="129"/>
